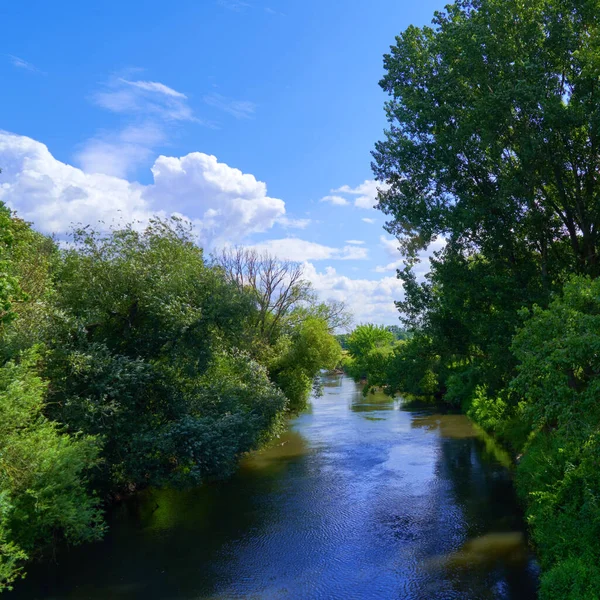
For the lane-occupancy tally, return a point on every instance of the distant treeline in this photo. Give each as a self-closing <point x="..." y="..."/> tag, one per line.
<point x="128" y="360"/>
<point x="493" y="144"/>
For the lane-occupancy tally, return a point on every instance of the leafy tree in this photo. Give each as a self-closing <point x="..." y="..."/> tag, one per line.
<point x="369" y="347"/>
<point x="145" y="320"/>
<point x="299" y="357"/>
<point x="9" y="287"/>
<point x="493" y="137"/>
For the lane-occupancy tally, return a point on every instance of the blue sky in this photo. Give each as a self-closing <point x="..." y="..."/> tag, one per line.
<point x="254" y="119"/>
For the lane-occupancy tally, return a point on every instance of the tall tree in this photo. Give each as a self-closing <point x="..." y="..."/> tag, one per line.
<point x="493" y="137"/>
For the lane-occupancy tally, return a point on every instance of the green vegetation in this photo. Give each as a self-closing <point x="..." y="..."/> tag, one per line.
<point x="128" y="360"/>
<point x="369" y="349"/>
<point x="493" y="145"/>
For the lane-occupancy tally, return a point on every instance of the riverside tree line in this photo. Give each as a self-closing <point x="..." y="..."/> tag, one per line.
<point x="493" y="144"/>
<point x="129" y="360"/>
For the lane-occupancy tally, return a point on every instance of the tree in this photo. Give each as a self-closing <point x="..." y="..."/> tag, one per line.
<point x="558" y="383"/>
<point x="276" y="286"/>
<point x="299" y="357"/>
<point x="493" y="137"/>
<point x="142" y="321"/>
<point x="369" y="347"/>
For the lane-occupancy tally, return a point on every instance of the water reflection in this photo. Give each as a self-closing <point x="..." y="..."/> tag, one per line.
<point x="362" y="498"/>
<point x="448" y="425"/>
<point x="371" y="402"/>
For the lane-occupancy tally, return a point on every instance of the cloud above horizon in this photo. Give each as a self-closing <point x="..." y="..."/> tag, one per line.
<point x="53" y="195"/>
<point x="295" y="249"/>
<point x="151" y="111"/>
<point x="224" y="205"/>
<point x="366" y="194"/>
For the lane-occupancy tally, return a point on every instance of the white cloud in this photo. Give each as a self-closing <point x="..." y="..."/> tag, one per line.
<point x="232" y="204"/>
<point x="302" y="250"/>
<point x="240" y="109"/>
<point x="144" y="98"/>
<point x="54" y="195"/>
<point x="369" y="300"/>
<point x="337" y="200"/>
<point x="366" y="192"/>
<point x="153" y="109"/>
<point x="226" y="204"/>
<point x="22" y="64"/>
<point x="357" y="242"/>
<point x="368" y="220"/>
<point x="288" y="223"/>
<point x="423" y="267"/>
<point x="117" y="153"/>
<point x="154" y="86"/>
<point x="390" y="245"/>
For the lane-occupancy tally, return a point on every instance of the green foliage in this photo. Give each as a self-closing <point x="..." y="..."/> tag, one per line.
<point x="493" y="144"/>
<point x="493" y="129"/>
<point x="370" y="347"/>
<point x="300" y="356"/>
<point x="157" y="369"/>
<point x="559" y="354"/>
<point x="9" y="286"/>
<point x="414" y="368"/>
<point x="558" y="379"/>
<point x="43" y="473"/>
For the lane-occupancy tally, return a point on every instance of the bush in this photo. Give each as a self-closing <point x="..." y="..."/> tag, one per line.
<point x="43" y="473"/>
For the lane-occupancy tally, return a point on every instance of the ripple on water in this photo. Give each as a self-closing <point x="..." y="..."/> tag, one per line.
<point x="362" y="499"/>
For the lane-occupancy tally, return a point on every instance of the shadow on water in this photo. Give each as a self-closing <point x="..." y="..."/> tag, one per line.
<point x="362" y="498"/>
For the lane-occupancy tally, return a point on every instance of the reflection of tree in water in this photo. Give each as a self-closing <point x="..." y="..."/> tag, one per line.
<point x="494" y="549"/>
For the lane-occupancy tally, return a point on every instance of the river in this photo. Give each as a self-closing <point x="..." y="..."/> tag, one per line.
<point x="362" y="498"/>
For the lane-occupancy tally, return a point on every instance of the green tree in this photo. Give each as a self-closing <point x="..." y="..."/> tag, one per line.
<point x="559" y="383"/>
<point x="369" y="347"/>
<point x="143" y="320"/>
<point x="493" y="137"/>
<point x="9" y="287"/>
<point x="299" y="357"/>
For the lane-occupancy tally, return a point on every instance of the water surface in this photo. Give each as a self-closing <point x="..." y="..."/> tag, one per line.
<point x="362" y="498"/>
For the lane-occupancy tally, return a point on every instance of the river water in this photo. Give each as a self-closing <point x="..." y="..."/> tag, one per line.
<point x="362" y="498"/>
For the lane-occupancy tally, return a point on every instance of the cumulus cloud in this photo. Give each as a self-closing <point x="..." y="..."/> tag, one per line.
<point x="232" y="204"/>
<point x="368" y="220"/>
<point x="117" y="153"/>
<point x="224" y="204"/>
<point x="302" y="250"/>
<point x="369" y="300"/>
<point x="359" y="242"/>
<point x="53" y="194"/>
